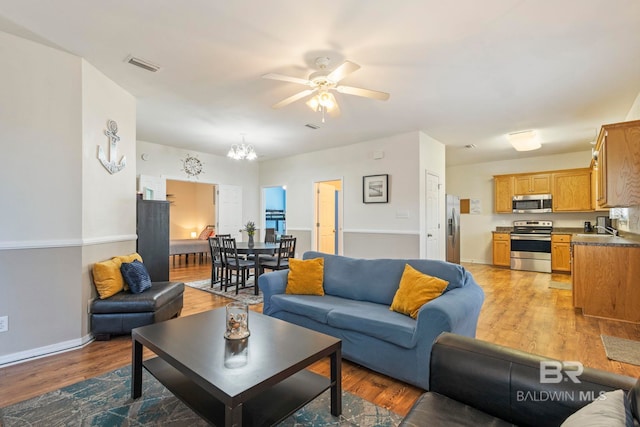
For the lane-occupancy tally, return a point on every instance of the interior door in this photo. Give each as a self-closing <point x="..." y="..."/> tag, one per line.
<point x="229" y="215"/>
<point x="326" y="214"/>
<point x="432" y="212"/>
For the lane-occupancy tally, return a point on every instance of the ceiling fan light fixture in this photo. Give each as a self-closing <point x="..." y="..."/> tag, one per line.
<point x="524" y="141"/>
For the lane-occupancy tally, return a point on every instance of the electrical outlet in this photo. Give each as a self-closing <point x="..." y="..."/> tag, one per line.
<point x="4" y="323"/>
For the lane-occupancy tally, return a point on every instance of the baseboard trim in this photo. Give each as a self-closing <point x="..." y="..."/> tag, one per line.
<point x="40" y="352"/>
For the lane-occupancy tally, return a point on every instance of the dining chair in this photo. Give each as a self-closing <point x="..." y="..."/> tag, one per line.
<point x="233" y="263"/>
<point x="270" y="235"/>
<point x="217" y="261"/>
<point x="286" y="250"/>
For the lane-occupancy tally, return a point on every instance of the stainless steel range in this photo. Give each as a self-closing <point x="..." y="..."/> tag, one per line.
<point x="531" y="246"/>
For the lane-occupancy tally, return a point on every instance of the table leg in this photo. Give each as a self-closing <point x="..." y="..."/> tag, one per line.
<point x="336" y="382"/>
<point x="233" y="416"/>
<point x="255" y="275"/>
<point x="136" y="370"/>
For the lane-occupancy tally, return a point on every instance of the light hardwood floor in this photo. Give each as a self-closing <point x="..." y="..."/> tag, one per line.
<point x="520" y="311"/>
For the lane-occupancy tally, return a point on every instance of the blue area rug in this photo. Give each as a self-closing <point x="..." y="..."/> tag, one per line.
<point x="106" y="401"/>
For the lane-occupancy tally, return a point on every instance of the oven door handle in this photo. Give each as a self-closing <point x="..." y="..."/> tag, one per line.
<point x="531" y="237"/>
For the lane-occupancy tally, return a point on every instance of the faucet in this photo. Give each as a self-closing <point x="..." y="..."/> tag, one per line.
<point x="609" y="230"/>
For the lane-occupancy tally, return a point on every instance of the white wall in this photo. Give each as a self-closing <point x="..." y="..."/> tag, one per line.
<point x="395" y="236"/>
<point x="47" y="97"/>
<point x="475" y="181"/>
<point x="166" y="162"/>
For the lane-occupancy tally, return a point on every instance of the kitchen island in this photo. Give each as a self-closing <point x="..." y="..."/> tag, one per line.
<point x="605" y="274"/>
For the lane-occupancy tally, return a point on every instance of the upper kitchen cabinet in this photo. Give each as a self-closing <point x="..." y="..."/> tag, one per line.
<point x="572" y="190"/>
<point x="539" y="183"/>
<point x="618" y="164"/>
<point x="503" y="193"/>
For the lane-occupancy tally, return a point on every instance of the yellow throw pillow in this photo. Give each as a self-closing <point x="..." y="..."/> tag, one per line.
<point x="305" y="276"/>
<point x="107" y="276"/>
<point x="416" y="289"/>
<point x="126" y="258"/>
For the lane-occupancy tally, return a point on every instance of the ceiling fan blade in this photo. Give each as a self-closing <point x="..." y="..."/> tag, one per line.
<point x="293" y="98"/>
<point x="346" y="68"/>
<point x="282" y="77"/>
<point x="367" y="93"/>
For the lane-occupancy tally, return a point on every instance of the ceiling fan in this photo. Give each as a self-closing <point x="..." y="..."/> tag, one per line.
<point x="321" y="83"/>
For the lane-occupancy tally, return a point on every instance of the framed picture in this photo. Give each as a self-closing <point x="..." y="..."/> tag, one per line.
<point x="375" y="189"/>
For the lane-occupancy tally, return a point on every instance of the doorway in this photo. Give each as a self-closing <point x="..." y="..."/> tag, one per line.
<point x="328" y="216"/>
<point x="193" y="208"/>
<point x="274" y="210"/>
<point x="432" y="220"/>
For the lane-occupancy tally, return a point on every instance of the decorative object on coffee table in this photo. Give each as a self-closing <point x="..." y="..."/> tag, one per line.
<point x="237" y="321"/>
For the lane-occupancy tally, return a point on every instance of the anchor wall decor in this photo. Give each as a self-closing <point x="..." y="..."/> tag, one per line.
<point x="111" y="165"/>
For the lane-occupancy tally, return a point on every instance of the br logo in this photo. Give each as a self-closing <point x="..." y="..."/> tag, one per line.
<point x="554" y="372"/>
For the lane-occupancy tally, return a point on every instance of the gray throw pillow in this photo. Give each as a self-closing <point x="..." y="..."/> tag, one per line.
<point x="610" y="409"/>
<point x="136" y="276"/>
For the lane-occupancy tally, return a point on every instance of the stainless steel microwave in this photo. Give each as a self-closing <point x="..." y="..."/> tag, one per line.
<point x="532" y="203"/>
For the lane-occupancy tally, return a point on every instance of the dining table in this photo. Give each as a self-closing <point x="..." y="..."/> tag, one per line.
<point x="257" y="249"/>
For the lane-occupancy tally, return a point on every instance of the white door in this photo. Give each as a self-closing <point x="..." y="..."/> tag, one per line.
<point x="229" y="204"/>
<point x="432" y="220"/>
<point x="326" y="218"/>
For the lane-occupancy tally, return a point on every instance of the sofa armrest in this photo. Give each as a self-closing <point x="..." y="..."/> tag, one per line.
<point x="272" y="283"/>
<point x="506" y="383"/>
<point x="455" y="311"/>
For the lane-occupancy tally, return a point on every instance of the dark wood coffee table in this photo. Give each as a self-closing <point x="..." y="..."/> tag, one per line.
<point x="271" y="386"/>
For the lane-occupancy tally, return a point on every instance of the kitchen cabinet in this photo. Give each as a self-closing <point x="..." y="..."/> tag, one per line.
<point x="539" y="183"/>
<point x="605" y="281"/>
<point x="594" y="190"/>
<point x="503" y="193"/>
<point x="502" y="249"/>
<point x="561" y="252"/>
<point x="572" y="190"/>
<point x="618" y="164"/>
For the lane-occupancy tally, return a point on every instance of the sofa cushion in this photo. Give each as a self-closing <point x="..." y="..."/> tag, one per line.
<point x="375" y="320"/>
<point x="305" y="276"/>
<point x="416" y="289"/>
<point x="312" y="306"/>
<point x="377" y="280"/>
<point x="434" y="409"/>
<point x="160" y="294"/>
<point x="136" y="276"/>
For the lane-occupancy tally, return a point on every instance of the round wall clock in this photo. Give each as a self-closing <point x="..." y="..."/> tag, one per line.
<point x="192" y="166"/>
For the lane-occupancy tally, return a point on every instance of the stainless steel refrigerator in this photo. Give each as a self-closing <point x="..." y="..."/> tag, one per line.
<point x="453" y="228"/>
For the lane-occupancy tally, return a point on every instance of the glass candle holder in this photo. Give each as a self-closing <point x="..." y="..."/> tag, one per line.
<point x="237" y="321"/>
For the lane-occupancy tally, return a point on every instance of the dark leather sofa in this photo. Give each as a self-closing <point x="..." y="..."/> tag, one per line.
<point x="474" y="383"/>
<point x="120" y="313"/>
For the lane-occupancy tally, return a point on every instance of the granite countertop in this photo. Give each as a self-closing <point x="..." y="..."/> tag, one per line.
<point x="579" y="237"/>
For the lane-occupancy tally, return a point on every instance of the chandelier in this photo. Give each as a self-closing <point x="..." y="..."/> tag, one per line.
<point x="242" y="151"/>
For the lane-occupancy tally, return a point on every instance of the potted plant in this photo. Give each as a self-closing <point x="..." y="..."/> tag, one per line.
<point x="250" y="228"/>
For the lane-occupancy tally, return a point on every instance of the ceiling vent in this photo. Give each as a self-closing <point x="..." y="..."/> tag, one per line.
<point x="142" y="63"/>
<point x="312" y="126"/>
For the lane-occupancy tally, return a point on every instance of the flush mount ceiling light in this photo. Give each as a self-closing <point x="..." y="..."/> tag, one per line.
<point x="524" y="141"/>
<point x="242" y="151"/>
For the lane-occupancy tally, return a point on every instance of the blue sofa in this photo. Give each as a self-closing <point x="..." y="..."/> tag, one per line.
<point x="355" y="308"/>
